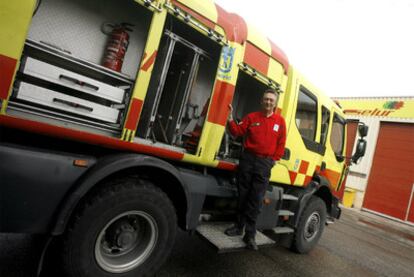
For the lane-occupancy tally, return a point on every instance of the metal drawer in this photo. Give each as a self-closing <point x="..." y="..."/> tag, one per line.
<point x="66" y="103"/>
<point x="72" y="80"/>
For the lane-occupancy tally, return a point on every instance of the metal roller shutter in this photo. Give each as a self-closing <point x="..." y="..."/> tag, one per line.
<point x="391" y="181"/>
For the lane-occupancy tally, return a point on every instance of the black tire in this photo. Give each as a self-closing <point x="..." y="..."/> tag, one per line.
<point x="126" y="229"/>
<point x="310" y="227"/>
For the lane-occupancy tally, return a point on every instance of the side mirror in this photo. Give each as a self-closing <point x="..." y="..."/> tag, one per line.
<point x="360" y="150"/>
<point x="340" y="158"/>
<point x="362" y="130"/>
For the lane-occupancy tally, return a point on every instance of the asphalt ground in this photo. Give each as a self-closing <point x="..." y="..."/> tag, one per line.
<point x="357" y="245"/>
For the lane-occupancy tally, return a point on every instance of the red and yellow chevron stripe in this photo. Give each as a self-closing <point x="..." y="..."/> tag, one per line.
<point x="304" y="170"/>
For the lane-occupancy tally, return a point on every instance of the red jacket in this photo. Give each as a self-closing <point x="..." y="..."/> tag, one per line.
<point x="264" y="136"/>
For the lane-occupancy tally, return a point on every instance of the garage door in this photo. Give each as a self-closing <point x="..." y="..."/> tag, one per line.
<point x="391" y="181"/>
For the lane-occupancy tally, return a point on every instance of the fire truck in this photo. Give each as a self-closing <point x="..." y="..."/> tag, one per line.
<point x="113" y="131"/>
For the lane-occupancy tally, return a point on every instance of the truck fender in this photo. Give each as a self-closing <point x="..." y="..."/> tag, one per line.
<point x="325" y="193"/>
<point x="104" y="168"/>
<point x="319" y="187"/>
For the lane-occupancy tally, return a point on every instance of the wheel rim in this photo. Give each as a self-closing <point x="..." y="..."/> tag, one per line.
<point x="312" y="226"/>
<point x="126" y="241"/>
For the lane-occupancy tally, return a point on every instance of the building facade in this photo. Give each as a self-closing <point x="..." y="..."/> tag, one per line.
<point x="384" y="179"/>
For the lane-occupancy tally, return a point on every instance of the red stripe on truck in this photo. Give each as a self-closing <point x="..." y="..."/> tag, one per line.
<point x="234" y="25"/>
<point x="134" y="113"/>
<point x="256" y="58"/>
<point x="7" y="67"/>
<point x="147" y="65"/>
<point x="81" y="136"/>
<point x="222" y="97"/>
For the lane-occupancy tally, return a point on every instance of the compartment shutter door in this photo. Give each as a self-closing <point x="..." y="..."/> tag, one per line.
<point x="390" y="185"/>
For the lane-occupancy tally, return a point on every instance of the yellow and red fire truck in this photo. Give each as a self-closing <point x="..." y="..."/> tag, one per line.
<point x="113" y="131"/>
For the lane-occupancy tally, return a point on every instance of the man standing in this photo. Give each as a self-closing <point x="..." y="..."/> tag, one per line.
<point x="264" y="135"/>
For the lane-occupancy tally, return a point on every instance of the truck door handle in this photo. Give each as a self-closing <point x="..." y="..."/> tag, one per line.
<point x="286" y="154"/>
<point x="73" y="104"/>
<point x="78" y="82"/>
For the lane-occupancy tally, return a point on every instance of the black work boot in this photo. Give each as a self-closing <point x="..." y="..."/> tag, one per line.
<point x="250" y="242"/>
<point x="234" y="231"/>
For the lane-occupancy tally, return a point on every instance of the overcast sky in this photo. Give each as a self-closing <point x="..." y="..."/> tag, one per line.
<point x="344" y="47"/>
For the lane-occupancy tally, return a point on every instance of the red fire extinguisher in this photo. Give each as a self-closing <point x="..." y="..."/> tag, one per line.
<point x="117" y="44"/>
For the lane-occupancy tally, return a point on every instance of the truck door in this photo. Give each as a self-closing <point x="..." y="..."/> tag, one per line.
<point x="305" y="142"/>
<point x="335" y="151"/>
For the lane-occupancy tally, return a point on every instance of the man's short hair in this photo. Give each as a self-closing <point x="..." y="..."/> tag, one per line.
<point x="272" y="91"/>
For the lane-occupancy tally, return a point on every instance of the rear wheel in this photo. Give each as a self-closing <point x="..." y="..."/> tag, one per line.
<point x="126" y="229"/>
<point x="311" y="226"/>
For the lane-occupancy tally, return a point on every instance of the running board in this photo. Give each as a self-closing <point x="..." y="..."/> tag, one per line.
<point x="289" y="197"/>
<point x="283" y="230"/>
<point x="213" y="232"/>
<point x="286" y="213"/>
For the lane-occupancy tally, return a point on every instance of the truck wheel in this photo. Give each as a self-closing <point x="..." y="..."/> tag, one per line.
<point x="126" y="229"/>
<point x="310" y="227"/>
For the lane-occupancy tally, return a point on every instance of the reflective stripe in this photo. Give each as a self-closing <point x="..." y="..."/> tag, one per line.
<point x="77" y="135"/>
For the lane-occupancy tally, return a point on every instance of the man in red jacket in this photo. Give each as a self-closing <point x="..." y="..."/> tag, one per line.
<point x="264" y="135"/>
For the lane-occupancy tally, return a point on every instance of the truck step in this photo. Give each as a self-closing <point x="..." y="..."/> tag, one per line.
<point x="213" y="232"/>
<point x="286" y="213"/>
<point x="289" y="197"/>
<point x="283" y="230"/>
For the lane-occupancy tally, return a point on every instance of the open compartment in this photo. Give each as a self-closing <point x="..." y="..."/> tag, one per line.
<point x="78" y="27"/>
<point x="181" y="85"/>
<point x="247" y="98"/>
<point x="61" y="79"/>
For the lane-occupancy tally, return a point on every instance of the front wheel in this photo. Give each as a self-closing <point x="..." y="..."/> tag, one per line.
<point x="126" y="229"/>
<point x="310" y="227"/>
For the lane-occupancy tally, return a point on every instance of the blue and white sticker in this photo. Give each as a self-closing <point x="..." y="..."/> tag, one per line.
<point x="227" y="57"/>
<point x="226" y="64"/>
<point x="296" y="166"/>
<point x="276" y="128"/>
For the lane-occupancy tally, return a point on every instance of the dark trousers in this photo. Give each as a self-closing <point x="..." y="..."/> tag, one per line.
<point x="253" y="178"/>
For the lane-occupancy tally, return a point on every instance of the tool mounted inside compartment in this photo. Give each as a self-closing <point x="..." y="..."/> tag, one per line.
<point x="117" y="44"/>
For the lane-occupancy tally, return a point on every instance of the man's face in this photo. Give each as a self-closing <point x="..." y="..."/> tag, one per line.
<point x="269" y="102"/>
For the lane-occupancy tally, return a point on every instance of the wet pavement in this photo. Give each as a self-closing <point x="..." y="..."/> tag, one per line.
<point x="360" y="244"/>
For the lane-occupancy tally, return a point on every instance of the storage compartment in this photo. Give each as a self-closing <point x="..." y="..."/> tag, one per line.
<point x="181" y="85"/>
<point x="64" y="102"/>
<point x="61" y="79"/>
<point x="69" y="79"/>
<point x="76" y="26"/>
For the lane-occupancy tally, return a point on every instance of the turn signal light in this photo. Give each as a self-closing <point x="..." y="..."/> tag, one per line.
<point x="80" y="163"/>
